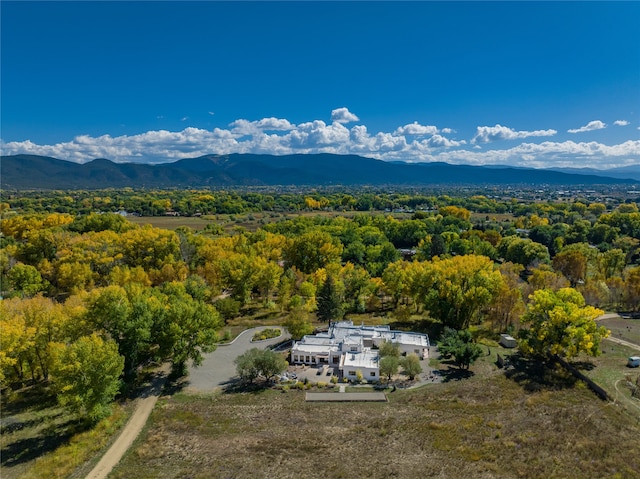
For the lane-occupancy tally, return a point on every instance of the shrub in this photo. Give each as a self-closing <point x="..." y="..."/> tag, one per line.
<point x="266" y="334"/>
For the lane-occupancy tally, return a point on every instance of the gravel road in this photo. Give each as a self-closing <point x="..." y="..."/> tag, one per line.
<point x="218" y="369"/>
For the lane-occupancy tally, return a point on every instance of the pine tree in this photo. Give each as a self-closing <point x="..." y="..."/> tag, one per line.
<point x="329" y="301"/>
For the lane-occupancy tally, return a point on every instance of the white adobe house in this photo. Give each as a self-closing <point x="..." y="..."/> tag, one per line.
<point x="353" y="348"/>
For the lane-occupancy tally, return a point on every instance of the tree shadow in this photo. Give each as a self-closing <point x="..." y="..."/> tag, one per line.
<point x="237" y="385"/>
<point x="428" y="326"/>
<point x="36" y="397"/>
<point x="454" y="374"/>
<point x="49" y="440"/>
<point x="583" y="365"/>
<point x="535" y="374"/>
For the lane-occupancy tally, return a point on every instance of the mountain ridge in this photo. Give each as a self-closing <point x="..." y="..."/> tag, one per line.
<point x="324" y="169"/>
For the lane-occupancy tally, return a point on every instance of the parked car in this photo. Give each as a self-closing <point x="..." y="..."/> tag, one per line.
<point x="634" y="362"/>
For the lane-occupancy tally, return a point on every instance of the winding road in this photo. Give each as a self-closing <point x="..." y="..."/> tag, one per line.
<point x="216" y="370"/>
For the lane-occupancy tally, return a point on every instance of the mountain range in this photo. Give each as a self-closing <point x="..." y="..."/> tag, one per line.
<point x="19" y="172"/>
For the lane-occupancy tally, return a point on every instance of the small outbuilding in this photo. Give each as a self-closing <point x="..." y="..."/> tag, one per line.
<point x="508" y="341"/>
<point x="634" y="362"/>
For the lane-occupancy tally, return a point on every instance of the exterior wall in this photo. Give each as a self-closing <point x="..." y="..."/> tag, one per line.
<point x="421" y="352"/>
<point x="368" y="374"/>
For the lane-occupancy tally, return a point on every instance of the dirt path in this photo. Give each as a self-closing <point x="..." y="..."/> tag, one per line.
<point x="617" y="340"/>
<point x="624" y="343"/>
<point x="218" y="364"/>
<point x="136" y="422"/>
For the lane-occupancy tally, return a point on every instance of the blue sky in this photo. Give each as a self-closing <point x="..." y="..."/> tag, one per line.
<point x="530" y="84"/>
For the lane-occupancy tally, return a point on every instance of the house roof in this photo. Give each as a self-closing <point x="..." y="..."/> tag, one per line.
<point x="365" y="360"/>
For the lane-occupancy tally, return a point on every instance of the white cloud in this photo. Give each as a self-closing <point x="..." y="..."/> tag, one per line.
<point x="416" y="129"/>
<point x="438" y="141"/>
<point x="412" y="142"/>
<point x="184" y="118"/>
<point x="343" y="115"/>
<point x="211" y="113"/>
<point x="486" y="134"/>
<point x="592" y="125"/>
<point x="621" y="122"/>
<point x="245" y="127"/>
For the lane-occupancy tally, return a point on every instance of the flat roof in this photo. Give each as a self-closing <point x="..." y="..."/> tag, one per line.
<point x="313" y="348"/>
<point x="365" y="359"/>
<point x="346" y="397"/>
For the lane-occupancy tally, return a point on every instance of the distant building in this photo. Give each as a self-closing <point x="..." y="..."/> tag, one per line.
<point x="508" y="341"/>
<point x="354" y="348"/>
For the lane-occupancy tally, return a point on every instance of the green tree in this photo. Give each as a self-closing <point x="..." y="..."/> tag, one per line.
<point x="271" y="363"/>
<point x="329" y="301"/>
<point x="298" y="323"/>
<point x="312" y="250"/>
<point x="389" y="366"/>
<point x="460" y="346"/>
<point x="188" y="329"/>
<point x="26" y="279"/>
<point x="86" y="375"/>
<point x="456" y="290"/>
<point x="411" y="366"/>
<point x="560" y="323"/>
<point x="128" y="316"/>
<point x="388" y="348"/>
<point x="259" y="362"/>
<point x="247" y="365"/>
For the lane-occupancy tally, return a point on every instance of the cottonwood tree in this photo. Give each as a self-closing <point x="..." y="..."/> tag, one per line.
<point x="459" y="288"/>
<point x="86" y="375"/>
<point x="559" y="323"/>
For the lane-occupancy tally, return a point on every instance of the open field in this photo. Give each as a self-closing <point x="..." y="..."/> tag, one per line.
<point x="171" y="222"/>
<point x="249" y="221"/>
<point x="534" y="424"/>
<point x="609" y="369"/>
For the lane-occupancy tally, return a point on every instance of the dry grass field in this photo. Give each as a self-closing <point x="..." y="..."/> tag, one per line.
<point x="536" y="423"/>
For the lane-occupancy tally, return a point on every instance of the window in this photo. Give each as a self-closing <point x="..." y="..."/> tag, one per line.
<point x="352" y="373"/>
<point x="295" y="358"/>
<point x="354" y="349"/>
<point x="372" y="374"/>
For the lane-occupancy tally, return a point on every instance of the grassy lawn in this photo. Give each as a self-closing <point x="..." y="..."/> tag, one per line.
<point x="171" y="222"/>
<point x="627" y="329"/>
<point x="480" y="424"/>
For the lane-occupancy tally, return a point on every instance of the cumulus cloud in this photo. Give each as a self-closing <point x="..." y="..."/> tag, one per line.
<point x="416" y="129"/>
<point x="343" y="115"/>
<point x="592" y="125"/>
<point x="486" y="134"/>
<point x="621" y="122"/>
<point x="245" y="127"/>
<point x="412" y="142"/>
